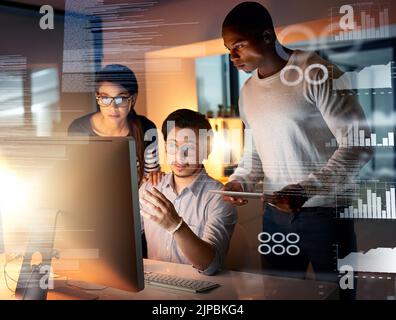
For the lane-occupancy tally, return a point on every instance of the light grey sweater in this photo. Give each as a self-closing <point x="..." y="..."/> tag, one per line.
<point x="291" y="123"/>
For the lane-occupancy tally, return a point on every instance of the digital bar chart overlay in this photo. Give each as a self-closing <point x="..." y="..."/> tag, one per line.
<point x="382" y="260"/>
<point x="372" y="206"/>
<point x="371" y="21"/>
<point x="370" y="77"/>
<point x="355" y="137"/>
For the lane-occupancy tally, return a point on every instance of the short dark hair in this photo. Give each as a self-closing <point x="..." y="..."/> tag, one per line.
<point x="186" y="118"/>
<point x="118" y="74"/>
<point x="249" y="18"/>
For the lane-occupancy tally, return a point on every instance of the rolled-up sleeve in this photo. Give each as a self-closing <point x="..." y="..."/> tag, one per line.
<point x="250" y="168"/>
<point x="218" y="230"/>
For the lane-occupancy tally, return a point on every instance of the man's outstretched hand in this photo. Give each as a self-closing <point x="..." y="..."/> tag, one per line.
<point x="234" y="186"/>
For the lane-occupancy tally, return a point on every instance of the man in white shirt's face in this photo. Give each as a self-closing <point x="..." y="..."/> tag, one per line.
<point x="247" y="53"/>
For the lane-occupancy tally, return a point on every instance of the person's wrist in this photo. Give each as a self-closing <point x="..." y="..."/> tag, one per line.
<point x="175" y="228"/>
<point x="236" y="182"/>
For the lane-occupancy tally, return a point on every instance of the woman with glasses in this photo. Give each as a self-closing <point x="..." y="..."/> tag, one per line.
<point x="116" y="94"/>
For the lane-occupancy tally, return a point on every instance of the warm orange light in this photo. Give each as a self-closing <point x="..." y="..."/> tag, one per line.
<point x="16" y="207"/>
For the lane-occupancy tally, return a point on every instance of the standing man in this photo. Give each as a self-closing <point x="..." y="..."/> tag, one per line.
<point x="292" y="113"/>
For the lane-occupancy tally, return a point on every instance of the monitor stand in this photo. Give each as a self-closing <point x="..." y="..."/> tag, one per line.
<point x="83" y="285"/>
<point x="67" y="290"/>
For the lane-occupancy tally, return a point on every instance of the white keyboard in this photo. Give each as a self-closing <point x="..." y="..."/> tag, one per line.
<point x="173" y="282"/>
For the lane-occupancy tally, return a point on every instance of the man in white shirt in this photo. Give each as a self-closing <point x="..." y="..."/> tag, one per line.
<point x="289" y="105"/>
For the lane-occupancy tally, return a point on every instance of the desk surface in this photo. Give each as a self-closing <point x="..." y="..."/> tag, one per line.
<point x="234" y="286"/>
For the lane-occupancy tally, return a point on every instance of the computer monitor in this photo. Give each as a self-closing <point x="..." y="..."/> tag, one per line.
<point x="86" y="212"/>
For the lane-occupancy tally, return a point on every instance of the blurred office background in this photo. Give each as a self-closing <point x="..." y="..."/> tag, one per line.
<point x="176" y="50"/>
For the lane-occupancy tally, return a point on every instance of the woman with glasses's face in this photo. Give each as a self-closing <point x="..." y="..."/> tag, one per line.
<point x="115" y="103"/>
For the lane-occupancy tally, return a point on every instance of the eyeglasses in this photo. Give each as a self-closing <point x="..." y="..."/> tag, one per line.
<point x="119" y="101"/>
<point x="187" y="149"/>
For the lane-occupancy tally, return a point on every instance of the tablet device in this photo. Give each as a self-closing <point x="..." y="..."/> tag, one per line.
<point x="237" y="194"/>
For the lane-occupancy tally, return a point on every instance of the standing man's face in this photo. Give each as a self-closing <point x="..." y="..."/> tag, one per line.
<point x="247" y="54"/>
